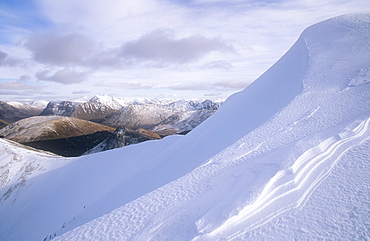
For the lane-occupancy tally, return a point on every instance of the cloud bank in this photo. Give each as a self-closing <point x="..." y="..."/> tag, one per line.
<point x="191" y="48"/>
<point x="6" y="60"/>
<point x="63" y="76"/>
<point x="60" y="49"/>
<point x="161" y="46"/>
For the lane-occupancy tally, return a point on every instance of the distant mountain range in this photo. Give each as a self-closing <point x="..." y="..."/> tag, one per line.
<point x="13" y="111"/>
<point x="136" y="120"/>
<point x="154" y="115"/>
<point x="136" y="114"/>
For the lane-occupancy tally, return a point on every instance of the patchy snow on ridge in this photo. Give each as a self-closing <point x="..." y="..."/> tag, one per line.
<point x="17" y="104"/>
<point x="39" y="103"/>
<point x="151" y="114"/>
<point x="287" y="158"/>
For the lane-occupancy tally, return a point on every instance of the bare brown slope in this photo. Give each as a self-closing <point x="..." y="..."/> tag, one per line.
<point x="41" y="128"/>
<point x="3" y="123"/>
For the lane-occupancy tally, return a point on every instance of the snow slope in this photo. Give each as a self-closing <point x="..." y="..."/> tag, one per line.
<point x="287" y="158"/>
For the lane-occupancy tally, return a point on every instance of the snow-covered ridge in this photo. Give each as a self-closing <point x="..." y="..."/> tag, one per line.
<point x="12" y="111"/>
<point x="287" y="158"/>
<point x="39" y="103"/>
<point x="17" y="104"/>
<point x="117" y="102"/>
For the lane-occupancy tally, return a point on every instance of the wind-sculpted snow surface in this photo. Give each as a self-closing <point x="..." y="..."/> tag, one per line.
<point x="222" y="198"/>
<point x="287" y="158"/>
<point x="289" y="188"/>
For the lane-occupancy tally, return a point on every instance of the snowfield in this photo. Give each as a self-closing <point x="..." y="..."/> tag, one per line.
<point x="288" y="158"/>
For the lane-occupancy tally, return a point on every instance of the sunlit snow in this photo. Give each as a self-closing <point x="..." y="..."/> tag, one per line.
<point x="285" y="159"/>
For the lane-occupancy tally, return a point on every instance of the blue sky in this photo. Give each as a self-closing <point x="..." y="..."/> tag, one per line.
<point x="70" y="49"/>
<point x="21" y="15"/>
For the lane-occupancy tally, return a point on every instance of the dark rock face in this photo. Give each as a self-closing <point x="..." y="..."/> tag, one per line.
<point x="66" y="136"/>
<point x="72" y="146"/>
<point x="123" y="137"/>
<point x="91" y="110"/>
<point x="61" y="108"/>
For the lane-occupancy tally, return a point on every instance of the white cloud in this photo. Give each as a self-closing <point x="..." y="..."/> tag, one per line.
<point x="64" y="76"/>
<point x="161" y="46"/>
<point x="60" y="49"/>
<point x="125" y="85"/>
<point x="219" y="64"/>
<point x="155" y="49"/>
<point x="191" y="41"/>
<point x="192" y="86"/>
<point x="6" y="60"/>
<point x="13" y="85"/>
<point x="100" y="13"/>
<point x="210" y="86"/>
<point x="231" y="84"/>
<point x="80" y="92"/>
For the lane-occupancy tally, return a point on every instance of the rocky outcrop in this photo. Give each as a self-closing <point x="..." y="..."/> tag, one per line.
<point x="124" y="136"/>
<point x="71" y="146"/>
<point x="61" y="108"/>
<point x="91" y="110"/>
<point x="182" y="123"/>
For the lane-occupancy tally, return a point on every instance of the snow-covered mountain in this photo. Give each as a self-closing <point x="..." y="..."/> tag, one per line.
<point x="61" y="108"/>
<point x="151" y="114"/>
<point x="13" y="111"/>
<point x="182" y="122"/>
<point x="117" y="103"/>
<point x="133" y="113"/>
<point x="287" y="158"/>
<point x="41" y="104"/>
